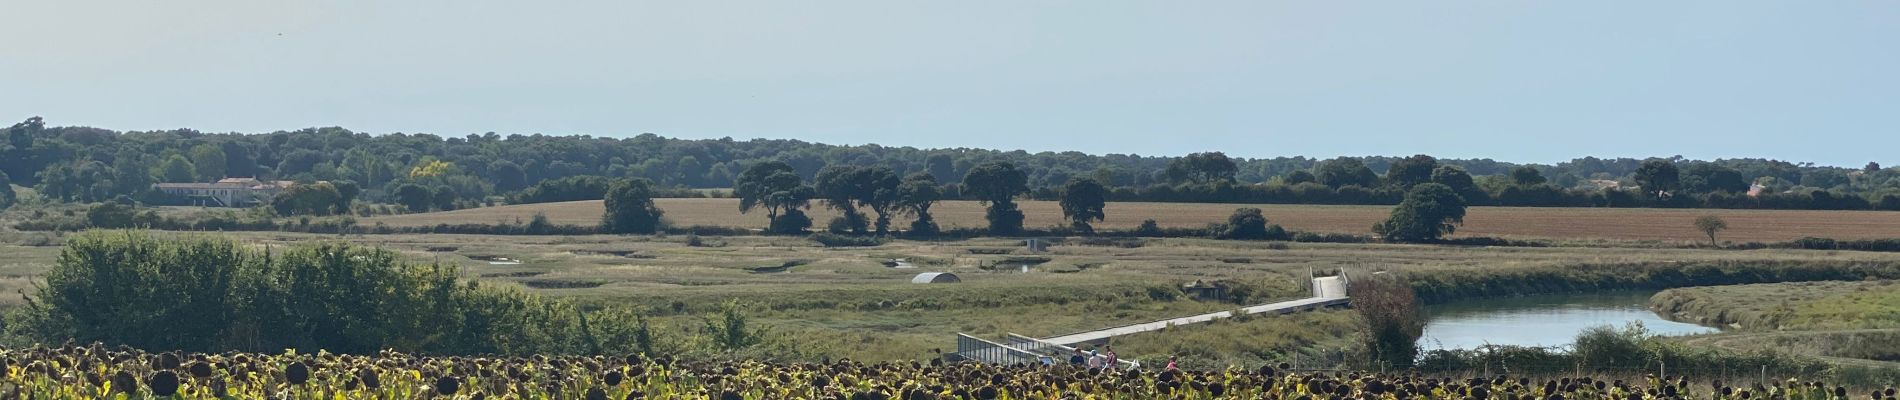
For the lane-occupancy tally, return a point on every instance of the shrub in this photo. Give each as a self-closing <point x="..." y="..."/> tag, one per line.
<point x="836" y="240"/>
<point x="1148" y="228"/>
<point x="206" y="294"/>
<point x="1246" y="224"/>
<point x="1390" y="312"/>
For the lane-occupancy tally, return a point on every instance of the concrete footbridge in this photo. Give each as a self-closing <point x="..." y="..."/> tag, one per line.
<point x="1328" y="291"/>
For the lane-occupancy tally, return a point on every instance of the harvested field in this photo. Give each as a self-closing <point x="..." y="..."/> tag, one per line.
<point x="1516" y="222"/>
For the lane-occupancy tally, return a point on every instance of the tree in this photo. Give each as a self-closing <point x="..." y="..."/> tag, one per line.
<point x="208" y="161"/>
<point x="996" y="184"/>
<point x="1428" y="212"/>
<point x="319" y="198"/>
<point x="1246" y="224"/>
<point x="1658" y="177"/>
<point x="1299" y="177"/>
<point x="630" y="208"/>
<point x="915" y="195"/>
<point x="1083" y="200"/>
<point x="1703" y="177"/>
<point x="1871" y="167"/>
<point x="1411" y="171"/>
<point x="1710" y="225"/>
<point x="508" y="176"/>
<point x="176" y="169"/>
<point x="1825" y="178"/>
<point x="110" y="214"/>
<point x="346" y="195"/>
<point x="1202" y="168"/>
<point x="939" y="164"/>
<point x="775" y="186"/>
<point x="1526" y="176"/>
<point x="444" y="198"/>
<point x="1345" y="171"/>
<point x="7" y="197"/>
<point x="415" y="197"/>
<point x="877" y="190"/>
<point x="837" y="186"/>
<point x="1459" y="181"/>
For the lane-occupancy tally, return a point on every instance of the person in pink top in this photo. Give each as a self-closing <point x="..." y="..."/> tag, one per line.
<point x="1171" y="366"/>
<point x="1111" y="360"/>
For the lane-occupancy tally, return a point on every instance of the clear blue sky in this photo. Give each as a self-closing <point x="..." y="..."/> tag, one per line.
<point x="1525" y="81"/>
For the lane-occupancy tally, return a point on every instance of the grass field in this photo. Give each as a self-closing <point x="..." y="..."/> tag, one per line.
<point x="848" y="303"/>
<point x="1788" y="306"/>
<point x="1673" y="225"/>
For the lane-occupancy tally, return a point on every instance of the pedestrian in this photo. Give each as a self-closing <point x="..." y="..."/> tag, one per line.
<point x="1171" y="365"/>
<point x="1095" y="359"/>
<point x="1077" y="358"/>
<point x="1113" y="362"/>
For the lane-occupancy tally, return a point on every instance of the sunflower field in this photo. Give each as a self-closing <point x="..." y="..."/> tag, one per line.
<point x="98" y="371"/>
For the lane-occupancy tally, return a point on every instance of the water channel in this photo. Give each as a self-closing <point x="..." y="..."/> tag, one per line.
<point x="1542" y="320"/>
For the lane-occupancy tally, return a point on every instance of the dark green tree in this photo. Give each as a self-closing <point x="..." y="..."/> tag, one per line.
<point x="1703" y="177"/>
<point x="915" y="195"/>
<point x="1429" y="211"/>
<point x="1345" y="171"/>
<point x="508" y="176"/>
<point x="839" y="186"/>
<point x="207" y="161"/>
<point x="1245" y="224"/>
<point x="319" y="198"/>
<point x="110" y="214"/>
<point x="877" y="190"/>
<point x="630" y="208"/>
<point x="775" y="186"/>
<point x="940" y="164"/>
<point x="444" y="198"/>
<point x="996" y="184"/>
<point x="415" y="197"/>
<point x="176" y="169"/>
<point x="1526" y="176"/>
<point x="346" y="191"/>
<point x="1299" y="176"/>
<point x="1658" y="177"/>
<point x="7" y="197"/>
<point x="1202" y="168"/>
<point x="1460" y="182"/>
<point x="1083" y="201"/>
<point x="1411" y="171"/>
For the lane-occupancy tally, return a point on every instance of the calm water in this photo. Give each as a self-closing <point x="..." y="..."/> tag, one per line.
<point x="1547" y="320"/>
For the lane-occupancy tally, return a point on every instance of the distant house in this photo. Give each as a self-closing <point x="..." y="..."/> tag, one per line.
<point x="227" y="192"/>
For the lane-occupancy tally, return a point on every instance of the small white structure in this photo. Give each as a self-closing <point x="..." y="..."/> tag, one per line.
<point x="1036" y="245"/>
<point x="936" y="277"/>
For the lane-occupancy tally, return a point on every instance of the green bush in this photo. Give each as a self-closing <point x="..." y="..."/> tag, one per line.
<point x="206" y="294"/>
<point x="836" y="240"/>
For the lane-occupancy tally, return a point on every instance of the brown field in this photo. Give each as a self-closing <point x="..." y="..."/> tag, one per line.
<point x="1518" y="222"/>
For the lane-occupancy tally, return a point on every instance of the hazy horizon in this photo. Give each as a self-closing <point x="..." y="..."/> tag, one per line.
<point x="1514" y="82"/>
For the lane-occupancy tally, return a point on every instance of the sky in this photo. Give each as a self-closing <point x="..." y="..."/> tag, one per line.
<point x="1519" y="81"/>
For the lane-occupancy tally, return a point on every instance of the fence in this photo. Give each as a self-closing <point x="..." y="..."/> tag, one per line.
<point x="970" y="348"/>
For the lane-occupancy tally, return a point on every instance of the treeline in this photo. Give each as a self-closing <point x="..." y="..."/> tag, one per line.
<point x="86" y="164"/>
